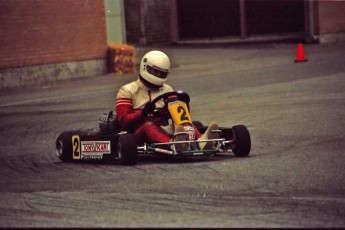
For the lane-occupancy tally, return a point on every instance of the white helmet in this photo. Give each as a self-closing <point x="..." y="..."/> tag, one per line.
<point x="154" y="67"/>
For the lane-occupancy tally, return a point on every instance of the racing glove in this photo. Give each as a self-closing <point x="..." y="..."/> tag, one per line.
<point x="148" y="109"/>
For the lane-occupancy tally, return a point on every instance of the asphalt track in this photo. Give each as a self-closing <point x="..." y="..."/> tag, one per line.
<point x="294" y="176"/>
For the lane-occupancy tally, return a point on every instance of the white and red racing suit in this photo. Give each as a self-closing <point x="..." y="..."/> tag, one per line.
<point x="131" y="99"/>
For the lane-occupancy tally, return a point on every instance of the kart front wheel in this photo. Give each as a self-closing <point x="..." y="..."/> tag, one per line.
<point x="127" y="149"/>
<point x="241" y="141"/>
<point x="198" y="124"/>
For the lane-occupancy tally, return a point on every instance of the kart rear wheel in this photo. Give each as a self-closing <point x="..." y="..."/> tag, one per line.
<point x="242" y="143"/>
<point x="127" y="149"/>
<point x="64" y="147"/>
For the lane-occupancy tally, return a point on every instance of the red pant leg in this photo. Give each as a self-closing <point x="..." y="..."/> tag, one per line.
<point x="197" y="133"/>
<point x="150" y="133"/>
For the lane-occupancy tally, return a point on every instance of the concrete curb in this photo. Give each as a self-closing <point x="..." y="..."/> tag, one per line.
<point x="42" y="74"/>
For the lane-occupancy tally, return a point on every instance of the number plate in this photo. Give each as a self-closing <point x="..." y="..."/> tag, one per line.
<point x="179" y="112"/>
<point x="76" y="147"/>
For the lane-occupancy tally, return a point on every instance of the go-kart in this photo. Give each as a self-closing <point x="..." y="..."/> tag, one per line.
<point x="109" y="142"/>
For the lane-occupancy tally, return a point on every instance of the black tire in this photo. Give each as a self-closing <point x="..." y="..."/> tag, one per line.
<point x="127" y="149"/>
<point x="64" y="147"/>
<point x="242" y="143"/>
<point x="198" y="124"/>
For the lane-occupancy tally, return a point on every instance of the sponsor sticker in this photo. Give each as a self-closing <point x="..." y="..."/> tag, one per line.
<point x="190" y="130"/>
<point x="94" y="149"/>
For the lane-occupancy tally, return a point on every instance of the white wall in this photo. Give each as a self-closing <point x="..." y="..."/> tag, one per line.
<point x="115" y="21"/>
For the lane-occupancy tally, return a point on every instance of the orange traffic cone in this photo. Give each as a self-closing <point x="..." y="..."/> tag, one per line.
<point x="300" y="57"/>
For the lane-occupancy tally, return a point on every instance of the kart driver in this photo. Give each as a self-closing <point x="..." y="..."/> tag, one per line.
<point x="135" y="110"/>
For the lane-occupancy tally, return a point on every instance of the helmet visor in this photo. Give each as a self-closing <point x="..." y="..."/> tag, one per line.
<point x="157" y="72"/>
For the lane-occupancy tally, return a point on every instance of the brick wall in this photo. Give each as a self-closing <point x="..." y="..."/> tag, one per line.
<point x="148" y="21"/>
<point x="331" y="17"/>
<point x="35" y="32"/>
<point x="133" y="23"/>
<point x="157" y="21"/>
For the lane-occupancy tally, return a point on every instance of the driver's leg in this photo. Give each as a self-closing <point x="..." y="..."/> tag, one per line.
<point x="150" y="133"/>
<point x="209" y="135"/>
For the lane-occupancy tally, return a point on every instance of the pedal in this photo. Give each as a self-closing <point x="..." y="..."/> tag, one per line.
<point x="217" y="131"/>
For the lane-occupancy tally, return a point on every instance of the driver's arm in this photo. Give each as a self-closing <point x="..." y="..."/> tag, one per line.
<point x="127" y="116"/>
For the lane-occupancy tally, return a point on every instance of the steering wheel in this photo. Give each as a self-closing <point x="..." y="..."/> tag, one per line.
<point x="182" y="96"/>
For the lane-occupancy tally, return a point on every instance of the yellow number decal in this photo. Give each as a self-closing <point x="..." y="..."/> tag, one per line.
<point x="179" y="113"/>
<point x="76" y="147"/>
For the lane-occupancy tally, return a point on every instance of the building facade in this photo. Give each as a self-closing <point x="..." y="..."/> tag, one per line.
<point x="209" y="21"/>
<point x="43" y="41"/>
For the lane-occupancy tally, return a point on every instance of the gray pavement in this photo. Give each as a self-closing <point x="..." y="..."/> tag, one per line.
<point x="294" y="176"/>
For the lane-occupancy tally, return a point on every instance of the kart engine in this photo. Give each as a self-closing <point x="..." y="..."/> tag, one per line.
<point x="108" y="123"/>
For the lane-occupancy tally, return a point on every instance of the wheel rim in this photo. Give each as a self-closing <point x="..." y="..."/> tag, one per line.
<point x="59" y="148"/>
<point x="119" y="151"/>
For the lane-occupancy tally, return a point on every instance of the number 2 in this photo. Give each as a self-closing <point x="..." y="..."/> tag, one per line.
<point x="76" y="147"/>
<point x="183" y="115"/>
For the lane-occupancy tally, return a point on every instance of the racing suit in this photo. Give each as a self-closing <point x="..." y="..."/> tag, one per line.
<point x="131" y="99"/>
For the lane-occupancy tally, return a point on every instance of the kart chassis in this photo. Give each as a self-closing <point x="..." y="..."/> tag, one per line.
<point x="219" y="145"/>
<point x="112" y="143"/>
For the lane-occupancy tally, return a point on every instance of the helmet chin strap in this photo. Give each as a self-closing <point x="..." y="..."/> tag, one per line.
<point x="148" y="84"/>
